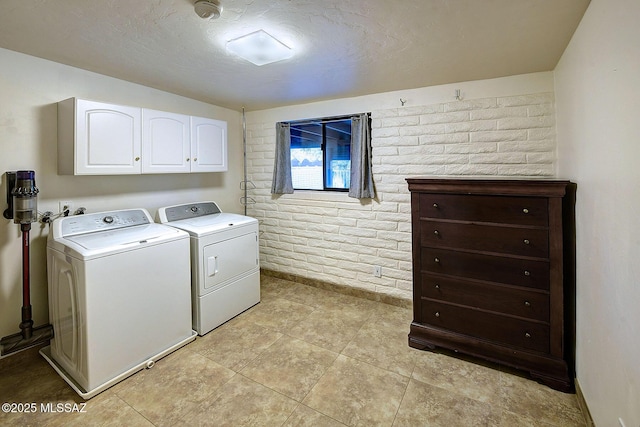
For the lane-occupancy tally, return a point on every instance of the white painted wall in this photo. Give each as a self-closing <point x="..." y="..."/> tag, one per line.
<point x="598" y="112"/>
<point x="29" y="90"/>
<point x="502" y="127"/>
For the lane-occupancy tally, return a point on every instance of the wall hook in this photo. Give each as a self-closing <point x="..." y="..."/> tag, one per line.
<point x="458" y="95"/>
<point x="403" y="101"/>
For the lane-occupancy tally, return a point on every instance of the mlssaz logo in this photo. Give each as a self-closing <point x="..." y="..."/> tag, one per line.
<point x="63" y="407"/>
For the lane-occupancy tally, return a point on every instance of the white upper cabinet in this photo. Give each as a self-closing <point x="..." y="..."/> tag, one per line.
<point x="166" y="142"/>
<point x="95" y="138"/>
<point x="208" y="145"/>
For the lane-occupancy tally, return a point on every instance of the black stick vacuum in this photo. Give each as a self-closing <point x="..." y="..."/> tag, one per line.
<point x="23" y="209"/>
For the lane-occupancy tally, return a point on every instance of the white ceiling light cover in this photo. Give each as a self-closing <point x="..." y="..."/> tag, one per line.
<point x="259" y="48"/>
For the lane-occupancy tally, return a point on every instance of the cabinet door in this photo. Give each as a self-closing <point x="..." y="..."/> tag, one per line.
<point x="107" y="139"/>
<point x="166" y="142"/>
<point x="208" y="145"/>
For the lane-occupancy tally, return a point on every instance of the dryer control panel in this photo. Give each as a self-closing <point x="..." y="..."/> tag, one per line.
<point x="80" y="224"/>
<point x="192" y="210"/>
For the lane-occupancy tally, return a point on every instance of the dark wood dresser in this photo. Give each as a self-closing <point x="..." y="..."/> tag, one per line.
<point x="494" y="272"/>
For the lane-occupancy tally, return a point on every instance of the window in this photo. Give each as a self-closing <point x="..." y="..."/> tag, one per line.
<point x="321" y="154"/>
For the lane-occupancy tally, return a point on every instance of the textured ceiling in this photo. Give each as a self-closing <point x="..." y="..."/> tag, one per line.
<point x="343" y="48"/>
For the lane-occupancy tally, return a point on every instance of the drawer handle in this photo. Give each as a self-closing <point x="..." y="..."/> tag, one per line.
<point x="435" y="205"/>
<point x="527" y="273"/>
<point x="527" y="304"/>
<point x="436" y="232"/>
<point x="525" y="210"/>
<point x="526" y="241"/>
<point x="527" y="335"/>
<point x="437" y="314"/>
<point x="437" y="286"/>
<point x="437" y="260"/>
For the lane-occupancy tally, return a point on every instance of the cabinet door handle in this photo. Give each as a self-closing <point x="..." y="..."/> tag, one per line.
<point x="527" y="273"/>
<point x="437" y="260"/>
<point x="437" y="286"/>
<point x="437" y="314"/>
<point x="526" y="241"/>
<point x="525" y="210"/>
<point x="435" y="205"/>
<point x="527" y="304"/>
<point x="195" y="159"/>
<point x="527" y="335"/>
<point x="137" y="159"/>
<point x="436" y="232"/>
<point x="188" y="159"/>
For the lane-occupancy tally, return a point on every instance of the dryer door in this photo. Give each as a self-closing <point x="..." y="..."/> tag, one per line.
<point x="229" y="259"/>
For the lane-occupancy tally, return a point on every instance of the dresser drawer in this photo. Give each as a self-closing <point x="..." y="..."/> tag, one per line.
<point x="498" y="209"/>
<point x="508" y="270"/>
<point x="501" y="299"/>
<point x="493" y="327"/>
<point x="533" y="242"/>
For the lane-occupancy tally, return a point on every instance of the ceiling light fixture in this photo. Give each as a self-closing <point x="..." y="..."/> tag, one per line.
<point x="259" y="48"/>
<point x="206" y="9"/>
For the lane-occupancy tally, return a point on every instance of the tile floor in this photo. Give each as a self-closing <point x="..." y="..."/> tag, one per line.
<point x="304" y="356"/>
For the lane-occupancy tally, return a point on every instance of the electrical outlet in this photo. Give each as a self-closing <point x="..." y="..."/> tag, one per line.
<point x="377" y="271"/>
<point x="65" y="205"/>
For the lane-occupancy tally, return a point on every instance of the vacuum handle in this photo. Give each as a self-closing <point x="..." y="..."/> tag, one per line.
<point x="11" y="183"/>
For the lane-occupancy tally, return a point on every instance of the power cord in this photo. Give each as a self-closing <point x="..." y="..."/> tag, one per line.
<point x="48" y="216"/>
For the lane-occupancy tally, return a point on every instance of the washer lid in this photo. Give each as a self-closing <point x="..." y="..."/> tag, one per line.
<point x="99" y="244"/>
<point x="121" y="237"/>
<point x="99" y="234"/>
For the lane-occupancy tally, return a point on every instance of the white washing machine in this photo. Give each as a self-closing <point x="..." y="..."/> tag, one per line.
<point x="225" y="265"/>
<point x="119" y="296"/>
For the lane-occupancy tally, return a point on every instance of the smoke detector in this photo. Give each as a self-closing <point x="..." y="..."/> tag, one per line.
<point x="207" y="9"/>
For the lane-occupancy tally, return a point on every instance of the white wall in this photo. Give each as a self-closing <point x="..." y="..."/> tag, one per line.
<point x="598" y="113"/>
<point x="29" y="90"/>
<point x="502" y="127"/>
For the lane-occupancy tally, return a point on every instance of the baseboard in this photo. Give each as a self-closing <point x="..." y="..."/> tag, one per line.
<point x="342" y="289"/>
<point x="583" y="405"/>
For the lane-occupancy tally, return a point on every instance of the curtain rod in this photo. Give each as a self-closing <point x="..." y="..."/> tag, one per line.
<point x="321" y="120"/>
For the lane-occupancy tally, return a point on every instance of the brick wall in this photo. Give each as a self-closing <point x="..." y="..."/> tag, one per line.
<point x="331" y="237"/>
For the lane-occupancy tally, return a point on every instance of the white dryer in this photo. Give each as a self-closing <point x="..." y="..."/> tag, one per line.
<point x="119" y="296"/>
<point x="225" y="265"/>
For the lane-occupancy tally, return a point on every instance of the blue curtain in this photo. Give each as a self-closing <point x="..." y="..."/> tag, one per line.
<point x="361" y="176"/>
<point x="282" y="183"/>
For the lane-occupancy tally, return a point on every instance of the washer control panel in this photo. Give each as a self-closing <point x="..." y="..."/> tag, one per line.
<point x="80" y="224"/>
<point x="193" y="210"/>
